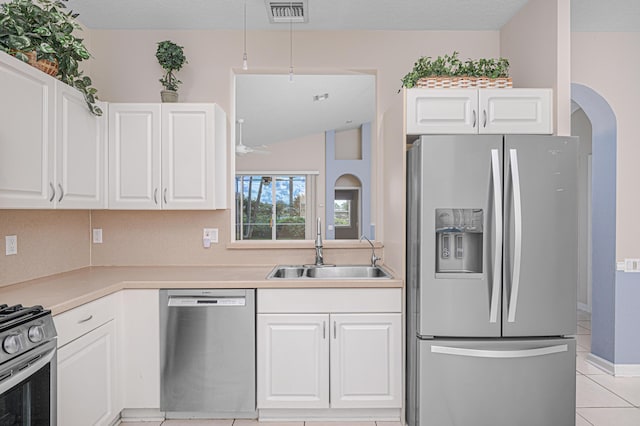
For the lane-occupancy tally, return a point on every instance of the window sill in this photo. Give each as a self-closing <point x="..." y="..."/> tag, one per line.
<point x="300" y="244"/>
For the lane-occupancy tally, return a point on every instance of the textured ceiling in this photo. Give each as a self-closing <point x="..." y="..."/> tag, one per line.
<point x="587" y="15"/>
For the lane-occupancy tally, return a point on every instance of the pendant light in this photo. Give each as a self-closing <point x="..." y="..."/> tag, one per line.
<point x="245" y="65"/>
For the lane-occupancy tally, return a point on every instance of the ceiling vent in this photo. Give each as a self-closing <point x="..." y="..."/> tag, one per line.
<point x="287" y="11"/>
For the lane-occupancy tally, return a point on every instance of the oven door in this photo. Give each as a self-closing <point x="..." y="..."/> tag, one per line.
<point x="28" y="388"/>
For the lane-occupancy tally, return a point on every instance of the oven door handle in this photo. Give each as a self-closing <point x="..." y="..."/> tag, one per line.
<point x="19" y="376"/>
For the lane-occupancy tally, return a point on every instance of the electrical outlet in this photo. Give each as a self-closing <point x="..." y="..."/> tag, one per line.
<point x="97" y="236"/>
<point x="632" y="265"/>
<point x="11" y="245"/>
<point x="209" y="235"/>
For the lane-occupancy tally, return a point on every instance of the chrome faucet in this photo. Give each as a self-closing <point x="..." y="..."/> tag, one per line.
<point x="319" y="258"/>
<point x="374" y="258"/>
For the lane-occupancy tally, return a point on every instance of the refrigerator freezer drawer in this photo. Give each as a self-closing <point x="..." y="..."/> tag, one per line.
<point x="496" y="382"/>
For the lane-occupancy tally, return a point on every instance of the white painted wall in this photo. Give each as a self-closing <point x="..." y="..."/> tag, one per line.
<point x="538" y="44"/>
<point x="609" y="63"/>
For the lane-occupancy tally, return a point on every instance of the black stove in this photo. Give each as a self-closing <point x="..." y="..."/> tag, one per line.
<point x="22" y="329"/>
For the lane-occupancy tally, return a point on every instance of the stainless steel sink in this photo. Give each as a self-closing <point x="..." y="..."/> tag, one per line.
<point x="328" y="272"/>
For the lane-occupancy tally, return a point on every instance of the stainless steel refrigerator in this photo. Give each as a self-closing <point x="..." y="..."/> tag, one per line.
<point x="491" y="280"/>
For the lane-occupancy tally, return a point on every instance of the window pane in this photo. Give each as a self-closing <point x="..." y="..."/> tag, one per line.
<point x="342" y="213"/>
<point x="290" y="207"/>
<point x="256" y="206"/>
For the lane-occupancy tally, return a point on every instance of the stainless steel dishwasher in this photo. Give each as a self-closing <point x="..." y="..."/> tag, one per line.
<point x="207" y="353"/>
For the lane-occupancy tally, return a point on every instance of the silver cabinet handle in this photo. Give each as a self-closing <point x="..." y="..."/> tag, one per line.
<point x="89" y="318"/>
<point x="474" y="119"/>
<point x="484" y="118"/>
<point x="53" y="192"/>
<point x="324" y="329"/>
<point x="155" y="195"/>
<point x="61" y="193"/>
<point x="517" y="255"/>
<point x="483" y="353"/>
<point x="497" y="257"/>
<point x="164" y="196"/>
<point x="334" y="330"/>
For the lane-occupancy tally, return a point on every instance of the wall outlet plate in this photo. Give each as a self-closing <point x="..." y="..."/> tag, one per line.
<point x="209" y="236"/>
<point x="632" y="265"/>
<point x="11" y="245"/>
<point x="97" y="236"/>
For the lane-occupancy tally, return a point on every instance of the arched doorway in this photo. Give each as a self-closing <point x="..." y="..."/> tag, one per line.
<point x="603" y="217"/>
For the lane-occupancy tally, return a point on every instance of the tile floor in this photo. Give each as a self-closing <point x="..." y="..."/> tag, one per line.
<point x="601" y="399"/>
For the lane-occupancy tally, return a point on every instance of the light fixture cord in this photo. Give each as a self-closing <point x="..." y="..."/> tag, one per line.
<point x="291" y="42"/>
<point x="244" y="54"/>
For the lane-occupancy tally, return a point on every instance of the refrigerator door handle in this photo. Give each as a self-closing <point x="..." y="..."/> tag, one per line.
<point x="480" y="353"/>
<point x="517" y="255"/>
<point x="497" y="257"/>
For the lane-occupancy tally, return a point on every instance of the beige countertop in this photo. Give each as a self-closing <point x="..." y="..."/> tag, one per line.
<point x="68" y="290"/>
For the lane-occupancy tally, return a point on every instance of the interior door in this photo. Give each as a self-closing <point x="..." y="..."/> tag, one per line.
<point x="460" y="228"/>
<point x="541" y="236"/>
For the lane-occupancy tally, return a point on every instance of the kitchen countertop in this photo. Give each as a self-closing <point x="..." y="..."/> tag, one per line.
<point x="65" y="291"/>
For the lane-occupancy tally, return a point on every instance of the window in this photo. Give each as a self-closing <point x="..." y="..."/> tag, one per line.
<point x="342" y="213"/>
<point x="274" y="207"/>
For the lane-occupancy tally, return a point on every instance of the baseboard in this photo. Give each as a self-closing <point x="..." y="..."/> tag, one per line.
<point x="621" y="370"/>
<point x="142" y="414"/>
<point x="584" y="307"/>
<point x="329" y="414"/>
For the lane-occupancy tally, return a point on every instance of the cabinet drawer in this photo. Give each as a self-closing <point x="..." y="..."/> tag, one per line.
<point x="310" y="300"/>
<point x="74" y="323"/>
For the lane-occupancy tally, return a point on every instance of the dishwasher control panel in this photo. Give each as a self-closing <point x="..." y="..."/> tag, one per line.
<point x="206" y="301"/>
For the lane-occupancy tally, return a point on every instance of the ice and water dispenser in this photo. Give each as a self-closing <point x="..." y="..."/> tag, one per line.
<point x="459" y="240"/>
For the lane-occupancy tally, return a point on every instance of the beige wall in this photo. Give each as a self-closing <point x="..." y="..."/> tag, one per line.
<point x="609" y="63"/>
<point x="537" y="43"/>
<point x="130" y="75"/>
<point x="49" y="242"/>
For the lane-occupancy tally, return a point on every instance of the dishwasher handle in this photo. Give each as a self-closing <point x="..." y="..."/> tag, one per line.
<point x="205" y="301"/>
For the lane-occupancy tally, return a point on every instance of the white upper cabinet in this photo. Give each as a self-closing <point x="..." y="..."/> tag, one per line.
<point x="442" y="111"/>
<point x="167" y="156"/>
<point x="81" y="152"/>
<point x="516" y="111"/>
<point x="484" y="111"/>
<point x="134" y="156"/>
<point x="26" y="135"/>
<point x="52" y="149"/>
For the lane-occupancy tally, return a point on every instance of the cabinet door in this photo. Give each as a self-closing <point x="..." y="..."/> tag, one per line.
<point x="140" y="368"/>
<point x="81" y="152"/>
<point x="86" y="379"/>
<point x="188" y="156"/>
<point x="524" y="111"/>
<point x="442" y="111"/>
<point x="134" y="156"/>
<point x="27" y="139"/>
<point x="366" y="368"/>
<point x="293" y="361"/>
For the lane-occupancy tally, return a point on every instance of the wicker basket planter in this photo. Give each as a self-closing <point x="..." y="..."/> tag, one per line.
<point x="464" y="83"/>
<point x="43" y="65"/>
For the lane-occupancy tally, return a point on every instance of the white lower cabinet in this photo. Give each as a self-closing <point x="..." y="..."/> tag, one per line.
<point x="87" y="380"/>
<point x="331" y="360"/>
<point x="139" y="349"/>
<point x="293" y="361"/>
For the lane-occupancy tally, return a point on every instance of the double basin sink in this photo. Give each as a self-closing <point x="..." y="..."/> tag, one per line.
<point x="328" y="272"/>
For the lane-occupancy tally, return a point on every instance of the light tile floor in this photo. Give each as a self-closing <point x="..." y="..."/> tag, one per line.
<point x="601" y="399"/>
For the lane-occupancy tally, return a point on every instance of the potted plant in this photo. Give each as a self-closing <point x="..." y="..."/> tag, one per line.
<point x="449" y="71"/>
<point x="171" y="58"/>
<point x="41" y="32"/>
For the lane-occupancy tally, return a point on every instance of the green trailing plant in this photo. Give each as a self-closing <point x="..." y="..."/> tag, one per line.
<point x="46" y="27"/>
<point x="171" y="58"/>
<point x="452" y="66"/>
